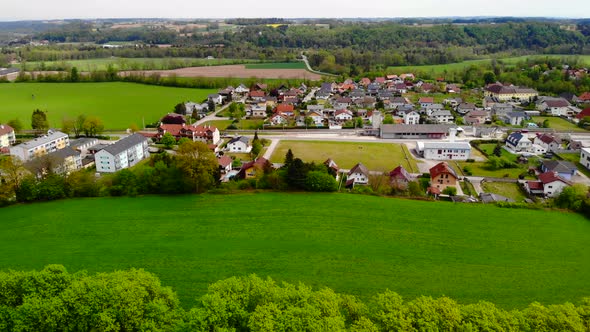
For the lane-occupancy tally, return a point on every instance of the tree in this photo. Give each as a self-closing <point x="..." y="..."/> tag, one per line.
<point x="16" y="124"/>
<point x="211" y="106"/>
<point x="74" y="75"/>
<point x="256" y="148"/>
<point x="93" y="126"/>
<point x="232" y="109"/>
<point x="180" y="108"/>
<point x="12" y="172"/>
<point x="489" y="77"/>
<point x="320" y="181"/>
<point x="498" y="150"/>
<point x="67" y="125"/>
<point x="79" y="125"/>
<point x="308" y="121"/>
<point x="198" y="162"/>
<point x="546" y="123"/>
<point x="168" y="140"/>
<point x="39" y="120"/>
<point x="451" y="191"/>
<point x="288" y="158"/>
<point x="388" y="119"/>
<point x="133" y="128"/>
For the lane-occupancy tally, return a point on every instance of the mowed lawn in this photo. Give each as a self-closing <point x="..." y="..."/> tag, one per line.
<point x="376" y="156"/>
<point x="354" y="244"/>
<point x="559" y="124"/>
<point x="118" y="104"/>
<point x="506" y="189"/>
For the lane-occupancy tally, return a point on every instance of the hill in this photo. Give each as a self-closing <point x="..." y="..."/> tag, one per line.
<point x="352" y="243"/>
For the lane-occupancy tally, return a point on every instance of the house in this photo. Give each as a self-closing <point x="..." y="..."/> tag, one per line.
<point x="550" y="184"/>
<point x="501" y="109"/>
<point x="506" y="93"/>
<point x="285" y="109"/>
<point x="124" y="153"/>
<point x="583" y="114"/>
<point x="442" y="116"/>
<point x="488" y="132"/>
<point x="585" y="157"/>
<point x="53" y="141"/>
<point x="358" y="175"/>
<point x="453" y="88"/>
<point x="423" y="131"/>
<point x="239" y="144"/>
<point x="225" y="164"/>
<point x="254" y="168"/>
<point x="203" y="134"/>
<point x="432" y="108"/>
<point x="399" y="178"/>
<point x="257" y="95"/>
<point x="343" y="116"/>
<point x="584" y="97"/>
<point x="257" y="111"/>
<point x="564" y="169"/>
<point x="476" y="118"/>
<point x="279" y="120"/>
<point x="549" y="142"/>
<point x="65" y="161"/>
<point x="554" y="106"/>
<point x="318" y="119"/>
<point x="453" y="102"/>
<point x="216" y="98"/>
<point x="412" y="118"/>
<point x="442" y="176"/>
<point x="444" y="150"/>
<point x="7" y="136"/>
<point x="465" y="108"/>
<point x="518" y="142"/>
<point x="242" y="89"/>
<point x="333" y="168"/>
<point x="425" y="102"/>
<point x="514" y="118"/>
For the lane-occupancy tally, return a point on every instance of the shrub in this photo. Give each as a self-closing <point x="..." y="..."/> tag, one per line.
<point x="451" y="191"/>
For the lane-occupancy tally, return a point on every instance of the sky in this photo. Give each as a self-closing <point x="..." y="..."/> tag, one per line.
<point x="12" y="10"/>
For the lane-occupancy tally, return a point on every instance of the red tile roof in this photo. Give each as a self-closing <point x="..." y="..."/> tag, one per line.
<point x="224" y="161"/>
<point x="549" y="177"/>
<point x="400" y="173"/>
<point x="535" y="185"/>
<point x="284" y="108"/>
<point x="584" y="113"/>
<point x="257" y="93"/>
<point x="5" y="129"/>
<point x="426" y="100"/>
<point x="585" y="96"/>
<point x="441" y="168"/>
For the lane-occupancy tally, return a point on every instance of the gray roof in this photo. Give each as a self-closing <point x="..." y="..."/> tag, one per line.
<point x="441" y="113"/>
<point x="82" y="141"/>
<point x="242" y="139"/>
<point x="64" y="153"/>
<point x="416" y="129"/>
<point x="42" y="140"/>
<point x="125" y="144"/>
<point x="447" y="145"/>
<point x="492" y="198"/>
<point x="559" y="166"/>
<point x="359" y="168"/>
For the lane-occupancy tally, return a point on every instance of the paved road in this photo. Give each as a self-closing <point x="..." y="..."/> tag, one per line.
<point x="271" y="148"/>
<point x="213" y="116"/>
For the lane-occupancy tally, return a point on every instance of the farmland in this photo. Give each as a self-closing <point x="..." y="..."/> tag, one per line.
<point x="279" y="65"/>
<point x="347" y="154"/>
<point x="352" y="243"/>
<point x="118" y="104"/>
<point x="238" y="71"/>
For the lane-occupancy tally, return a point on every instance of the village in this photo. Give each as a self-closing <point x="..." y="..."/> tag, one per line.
<point x="432" y="119"/>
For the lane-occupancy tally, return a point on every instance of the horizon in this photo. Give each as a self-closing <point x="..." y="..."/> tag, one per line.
<point x="37" y="10"/>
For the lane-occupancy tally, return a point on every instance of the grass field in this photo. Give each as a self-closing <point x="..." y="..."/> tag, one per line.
<point x="131" y="63"/>
<point x="352" y="243"/>
<point x="510" y="190"/>
<point x="559" y="124"/>
<point x="376" y="156"/>
<point x="118" y="104"/>
<point x="279" y="65"/>
<point x="450" y="67"/>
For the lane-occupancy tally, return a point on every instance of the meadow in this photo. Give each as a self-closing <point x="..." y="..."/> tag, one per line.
<point x="376" y="156"/>
<point x="118" y="104"/>
<point x="459" y="66"/>
<point x="354" y="244"/>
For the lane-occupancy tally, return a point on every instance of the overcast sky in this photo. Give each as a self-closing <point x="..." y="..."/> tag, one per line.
<point x="58" y="9"/>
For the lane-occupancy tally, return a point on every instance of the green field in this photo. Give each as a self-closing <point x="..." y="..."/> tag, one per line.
<point x="130" y="63"/>
<point x="559" y="124"/>
<point x="352" y="243"/>
<point x="118" y="104"/>
<point x="278" y="65"/>
<point x="376" y="156"/>
<point x="510" y="190"/>
<point x="450" y="67"/>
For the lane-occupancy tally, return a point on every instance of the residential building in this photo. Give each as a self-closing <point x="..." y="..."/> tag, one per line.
<point x="555" y="107"/>
<point x="465" y="108"/>
<point x="585" y="157"/>
<point x="412" y="118"/>
<point x="564" y="169"/>
<point x="358" y="175"/>
<point x="399" y="178"/>
<point x="501" y="109"/>
<point x="506" y="93"/>
<point x="518" y="142"/>
<point x="40" y="146"/>
<point x="443" y="176"/>
<point x="216" y="98"/>
<point x="205" y="134"/>
<point x="65" y="161"/>
<point x="445" y="150"/>
<point x="239" y="144"/>
<point x="514" y="118"/>
<point x="443" y="116"/>
<point x="225" y="164"/>
<point x="425" y="102"/>
<point x="7" y="136"/>
<point x="550" y="184"/>
<point x="476" y="118"/>
<point x="254" y="168"/>
<point x="125" y="153"/>
<point x="549" y="142"/>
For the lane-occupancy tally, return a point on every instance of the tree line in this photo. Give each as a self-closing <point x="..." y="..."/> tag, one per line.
<point x="134" y="300"/>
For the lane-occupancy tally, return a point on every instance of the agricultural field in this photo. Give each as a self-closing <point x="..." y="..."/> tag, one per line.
<point x="510" y="190"/>
<point x="237" y="71"/>
<point x="348" y="154"/>
<point x="278" y="65"/>
<point x="559" y="124"/>
<point x="451" y="67"/>
<point x="129" y="63"/>
<point x="355" y="244"/>
<point x="118" y="104"/>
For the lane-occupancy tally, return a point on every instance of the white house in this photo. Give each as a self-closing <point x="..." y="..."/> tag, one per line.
<point x="549" y="185"/>
<point x="343" y="116"/>
<point x="240" y="144"/>
<point x="40" y="146"/>
<point x="278" y="119"/>
<point x="317" y="118"/>
<point x="585" y="157"/>
<point x="359" y="174"/>
<point x="517" y="142"/>
<point x="514" y="118"/>
<point x="7" y="137"/>
<point x="555" y="106"/>
<point x="548" y="142"/>
<point x="216" y="98"/>
<point x="242" y="89"/>
<point x="445" y="150"/>
<point x="442" y="116"/>
<point x="412" y="118"/>
<point x="125" y="153"/>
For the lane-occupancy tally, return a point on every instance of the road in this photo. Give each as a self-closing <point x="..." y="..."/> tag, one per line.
<point x="304" y="59"/>
<point x="213" y="116"/>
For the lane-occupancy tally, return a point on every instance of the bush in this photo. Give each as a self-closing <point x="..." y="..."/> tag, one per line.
<point x="320" y="181"/>
<point x="470" y="160"/>
<point x="451" y="191"/>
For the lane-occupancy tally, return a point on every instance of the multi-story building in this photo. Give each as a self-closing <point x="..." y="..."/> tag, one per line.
<point x="445" y="150"/>
<point x="504" y="93"/>
<point x="41" y="146"/>
<point x="124" y="153"/>
<point x="7" y="137"/>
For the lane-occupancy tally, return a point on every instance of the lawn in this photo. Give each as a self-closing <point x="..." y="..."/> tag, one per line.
<point x="118" y="104"/>
<point x="376" y="156"/>
<point x="280" y="65"/>
<point x="354" y="244"/>
<point x="559" y="124"/>
<point x="480" y="169"/>
<point x="489" y="149"/>
<point x="510" y="190"/>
